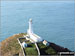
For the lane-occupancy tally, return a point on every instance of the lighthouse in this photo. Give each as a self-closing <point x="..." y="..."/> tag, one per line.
<point x="30" y="26"/>
<point x="31" y="34"/>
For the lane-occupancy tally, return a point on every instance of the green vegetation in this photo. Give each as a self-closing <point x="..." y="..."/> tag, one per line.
<point x="41" y="45"/>
<point x="27" y="42"/>
<point x="50" y="50"/>
<point x="46" y="50"/>
<point x="31" y="51"/>
<point x="24" y="40"/>
<point x="32" y="45"/>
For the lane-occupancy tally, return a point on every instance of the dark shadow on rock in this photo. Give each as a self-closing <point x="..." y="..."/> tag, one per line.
<point x="59" y="48"/>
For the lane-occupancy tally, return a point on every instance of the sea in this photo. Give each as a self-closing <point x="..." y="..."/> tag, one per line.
<point x="52" y="20"/>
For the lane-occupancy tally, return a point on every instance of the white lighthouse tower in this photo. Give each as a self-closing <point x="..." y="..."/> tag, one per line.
<point x="30" y="26"/>
<point x="31" y="34"/>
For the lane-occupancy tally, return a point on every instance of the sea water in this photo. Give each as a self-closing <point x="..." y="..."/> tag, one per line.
<point x="53" y="21"/>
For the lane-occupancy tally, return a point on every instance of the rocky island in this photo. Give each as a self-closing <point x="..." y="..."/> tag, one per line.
<point x="29" y="44"/>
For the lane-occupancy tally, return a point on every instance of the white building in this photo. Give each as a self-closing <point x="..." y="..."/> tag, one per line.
<point x="45" y="43"/>
<point x="31" y="34"/>
<point x="24" y="45"/>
